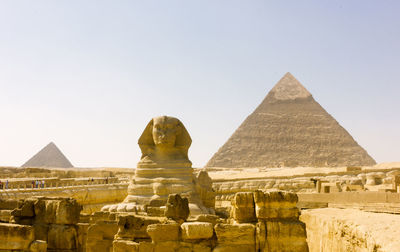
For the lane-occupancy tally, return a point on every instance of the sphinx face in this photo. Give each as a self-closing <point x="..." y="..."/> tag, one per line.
<point x="165" y="130"/>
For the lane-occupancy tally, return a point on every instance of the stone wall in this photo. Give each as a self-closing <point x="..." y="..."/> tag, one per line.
<point x="259" y="222"/>
<point x="384" y="202"/>
<point x="342" y="230"/>
<point x="41" y="224"/>
<point x="91" y="197"/>
<point x="301" y="181"/>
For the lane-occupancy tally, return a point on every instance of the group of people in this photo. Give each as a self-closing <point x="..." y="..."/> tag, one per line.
<point x="91" y="180"/>
<point x="38" y="184"/>
<point x="4" y="185"/>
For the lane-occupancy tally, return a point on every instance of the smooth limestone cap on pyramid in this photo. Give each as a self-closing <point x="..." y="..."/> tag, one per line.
<point x="289" y="129"/>
<point x="49" y="156"/>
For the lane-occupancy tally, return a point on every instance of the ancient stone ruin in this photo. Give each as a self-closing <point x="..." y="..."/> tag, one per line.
<point x="49" y="156"/>
<point x="165" y="169"/>
<point x="169" y="206"/>
<point x="288" y="129"/>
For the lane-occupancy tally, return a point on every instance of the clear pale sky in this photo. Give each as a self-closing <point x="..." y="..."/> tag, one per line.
<point x="89" y="75"/>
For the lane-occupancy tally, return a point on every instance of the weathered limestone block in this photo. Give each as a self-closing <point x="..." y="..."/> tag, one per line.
<point x="38" y="246"/>
<point x="235" y="237"/>
<point x="261" y="234"/>
<point x="102" y="216"/>
<point x="155" y="211"/>
<point x="82" y="229"/>
<point x="166" y="246"/>
<point x="163" y="232"/>
<point x="100" y="236"/>
<point x="131" y="226"/>
<point x="203" y="246"/>
<point x="62" y="237"/>
<point x="286" y="236"/>
<point x="57" y="210"/>
<point x="5" y="215"/>
<point x="177" y="208"/>
<point x="8" y="204"/>
<point x="243" y="207"/>
<point x="24" y="209"/>
<point x="24" y="213"/>
<point x="41" y="231"/>
<point x="197" y="230"/>
<point x="204" y="188"/>
<point x="125" y="246"/>
<point x="374" y="178"/>
<point x="276" y="205"/>
<point x="210" y="218"/>
<point x="15" y="237"/>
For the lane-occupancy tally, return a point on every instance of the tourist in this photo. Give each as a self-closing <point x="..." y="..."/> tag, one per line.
<point x="7" y="184"/>
<point x="37" y="183"/>
<point x="33" y="184"/>
<point x="42" y="183"/>
<point x="1" y="185"/>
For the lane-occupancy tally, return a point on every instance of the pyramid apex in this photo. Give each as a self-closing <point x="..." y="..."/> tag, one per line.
<point x="289" y="88"/>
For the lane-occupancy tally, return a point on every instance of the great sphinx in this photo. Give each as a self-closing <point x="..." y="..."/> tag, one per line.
<point x="164" y="168"/>
<point x="164" y="143"/>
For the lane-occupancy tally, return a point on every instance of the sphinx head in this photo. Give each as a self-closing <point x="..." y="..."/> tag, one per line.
<point x="165" y="131"/>
<point x="164" y="138"/>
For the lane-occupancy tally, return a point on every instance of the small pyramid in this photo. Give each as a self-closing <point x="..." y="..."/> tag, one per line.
<point x="49" y="156"/>
<point x="289" y="129"/>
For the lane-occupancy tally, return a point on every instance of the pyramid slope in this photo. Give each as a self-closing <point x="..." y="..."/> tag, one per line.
<point x="49" y="156"/>
<point x="289" y="128"/>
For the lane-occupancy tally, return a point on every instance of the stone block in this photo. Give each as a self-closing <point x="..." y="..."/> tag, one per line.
<point x="146" y="246"/>
<point x="235" y="234"/>
<point x="125" y="246"/>
<point x="7" y="204"/>
<point x="234" y="248"/>
<point x="286" y="236"/>
<point x="100" y="236"/>
<point x="102" y="216"/>
<point x="82" y="229"/>
<point x="204" y="188"/>
<point x="197" y="230"/>
<point x="41" y="231"/>
<point x="243" y="207"/>
<point x="166" y="246"/>
<point x="163" y="232"/>
<point x="15" y="237"/>
<point x="210" y="218"/>
<point x="177" y="208"/>
<point x="132" y="226"/>
<point x="24" y="209"/>
<point x="61" y="237"/>
<point x="5" y="215"/>
<point x="38" y="246"/>
<point x="276" y="205"/>
<point x="155" y="211"/>
<point x="57" y="210"/>
<point x="201" y="248"/>
<point x="261" y="234"/>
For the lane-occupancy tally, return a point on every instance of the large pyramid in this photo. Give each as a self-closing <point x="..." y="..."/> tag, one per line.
<point x="49" y="156"/>
<point x="289" y="128"/>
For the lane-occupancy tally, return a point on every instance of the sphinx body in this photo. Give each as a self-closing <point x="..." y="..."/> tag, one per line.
<point x="164" y="169"/>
